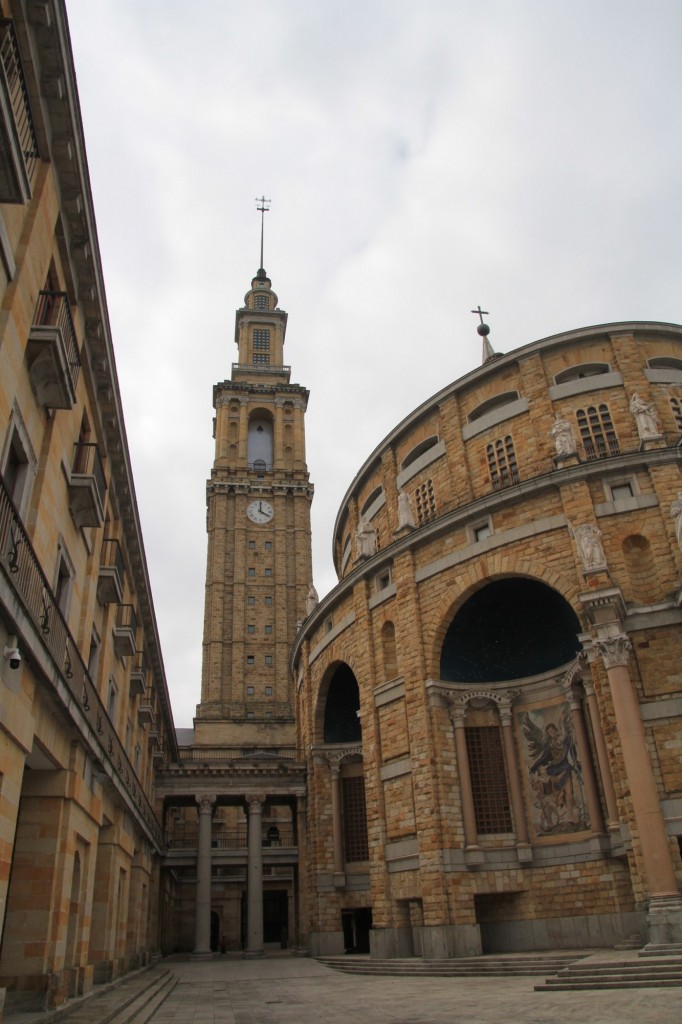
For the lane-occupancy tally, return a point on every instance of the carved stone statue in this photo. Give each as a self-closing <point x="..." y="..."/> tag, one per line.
<point x="365" y="539"/>
<point x="405" y="513"/>
<point x="646" y="418"/>
<point x="589" y="545"/>
<point x="676" y="513"/>
<point x="312" y="600"/>
<point x="564" y="438"/>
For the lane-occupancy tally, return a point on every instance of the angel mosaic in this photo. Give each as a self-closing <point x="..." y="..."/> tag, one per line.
<point x="554" y="771"/>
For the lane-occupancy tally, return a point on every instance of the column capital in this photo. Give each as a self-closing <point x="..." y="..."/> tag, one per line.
<point x="205" y="802"/>
<point x="255" y="802"/>
<point x="614" y="650"/>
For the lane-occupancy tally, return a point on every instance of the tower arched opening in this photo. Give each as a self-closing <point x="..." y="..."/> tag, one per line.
<point x="342" y="704"/>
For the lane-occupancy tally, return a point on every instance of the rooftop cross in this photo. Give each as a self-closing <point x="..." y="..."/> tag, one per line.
<point x="481" y="312"/>
<point x="262" y="209"/>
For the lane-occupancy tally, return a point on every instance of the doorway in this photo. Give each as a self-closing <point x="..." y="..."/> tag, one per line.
<point x="356" y="926"/>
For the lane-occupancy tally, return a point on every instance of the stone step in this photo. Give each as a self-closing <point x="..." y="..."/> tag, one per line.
<point x="665" y="972"/>
<point x="565" y="986"/>
<point x="662" y="949"/>
<point x="631" y="966"/>
<point x="119" y="1002"/>
<point x="519" y="966"/>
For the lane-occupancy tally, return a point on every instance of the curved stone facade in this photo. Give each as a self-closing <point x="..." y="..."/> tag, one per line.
<point x="506" y="629"/>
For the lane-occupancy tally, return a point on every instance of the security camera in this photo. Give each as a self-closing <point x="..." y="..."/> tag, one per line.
<point x="11" y="652"/>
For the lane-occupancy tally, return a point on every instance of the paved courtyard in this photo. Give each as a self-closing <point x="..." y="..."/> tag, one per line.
<point x="282" y="990"/>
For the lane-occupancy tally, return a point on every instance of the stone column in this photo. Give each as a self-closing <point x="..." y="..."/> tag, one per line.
<point x="202" y="921"/>
<point x="337" y="826"/>
<point x="520" y="824"/>
<point x="612" y="818"/>
<point x="585" y="755"/>
<point x="457" y="714"/>
<point x="301" y="936"/>
<point x="254" y="877"/>
<point x="665" y="903"/>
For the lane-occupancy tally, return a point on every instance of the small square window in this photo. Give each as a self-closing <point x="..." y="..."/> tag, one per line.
<point x="268" y="600"/>
<point x="252" y="545"/>
<point x="268" y="714"/>
<point x="250" y="628"/>
<point x="268" y="629"/>
<point x="268" y="572"/>
<point x="482" y="532"/>
<point x="251" y="572"/>
<point x="268" y="691"/>
<point x="268" y="545"/>
<point x="328" y="624"/>
<point x="268" y="659"/>
<point x="250" y="659"/>
<point x="251" y="599"/>
<point x="620" y="491"/>
<point x="250" y="690"/>
<point x="383" y="580"/>
<point x="250" y="714"/>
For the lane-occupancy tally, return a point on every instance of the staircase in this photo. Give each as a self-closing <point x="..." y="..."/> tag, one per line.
<point x="649" y="970"/>
<point x="512" y="965"/>
<point x="134" y="1000"/>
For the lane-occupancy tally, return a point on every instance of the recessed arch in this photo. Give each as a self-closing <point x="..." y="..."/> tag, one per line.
<point x="509" y="628"/>
<point x="260" y="438"/>
<point x="338" y="706"/>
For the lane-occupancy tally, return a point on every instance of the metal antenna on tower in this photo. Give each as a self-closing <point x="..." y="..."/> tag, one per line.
<point x="262" y="209"/>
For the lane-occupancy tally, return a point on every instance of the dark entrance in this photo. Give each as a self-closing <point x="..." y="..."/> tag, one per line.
<point x="356" y="926"/>
<point x="215" y="931"/>
<point x="276" y="916"/>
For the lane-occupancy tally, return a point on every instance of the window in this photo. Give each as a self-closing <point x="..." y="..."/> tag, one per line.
<point x="64" y="577"/>
<point x="268" y="545"/>
<point x="580" y="371"/>
<point x="268" y="691"/>
<point x="383" y="580"/>
<point x="251" y="599"/>
<point x="268" y="572"/>
<point x="268" y="629"/>
<point x="355" y="843"/>
<point x="18" y="467"/>
<point x="676" y="406"/>
<point x="250" y="659"/>
<point x="261" y="358"/>
<point x="261" y="302"/>
<point x="251" y="572"/>
<point x="250" y="690"/>
<point x="252" y="545"/>
<point x="492" y="403"/>
<point x="93" y="656"/>
<point x="268" y="600"/>
<point x="665" y="363"/>
<point x="418" y="450"/>
<point x="268" y="659"/>
<point x="425" y="501"/>
<point x="261" y="340"/>
<point x="328" y="624"/>
<point x="111" y="699"/>
<point x="250" y="628"/>
<point x="488" y="779"/>
<point x="619" y="491"/>
<point x="597" y="432"/>
<point x="374" y="496"/>
<point x="18" y="143"/>
<point x="250" y="714"/>
<point x="481" y="532"/>
<point x="502" y="463"/>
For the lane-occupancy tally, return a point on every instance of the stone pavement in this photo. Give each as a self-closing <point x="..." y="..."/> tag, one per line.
<point x="285" y="990"/>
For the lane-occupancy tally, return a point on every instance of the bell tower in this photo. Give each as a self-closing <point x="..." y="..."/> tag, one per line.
<point x="259" y="565"/>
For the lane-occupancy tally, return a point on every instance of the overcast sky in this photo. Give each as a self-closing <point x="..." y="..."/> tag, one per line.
<point x="422" y="157"/>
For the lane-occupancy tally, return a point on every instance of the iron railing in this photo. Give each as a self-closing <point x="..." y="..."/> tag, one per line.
<point x="185" y="837"/>
<point x="19" y="563"/>
<point x="53" y="310"/>
<point x="220" y="755"/>
<point x="15" y="83"/>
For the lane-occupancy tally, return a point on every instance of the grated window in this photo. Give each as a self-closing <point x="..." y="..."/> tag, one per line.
<point x="425" y="501"/>
<point x="502" y="464"/>
<point x="597" y="432"/>
<point x="488" y="779"/>
<point x="354" y="819"/>
<point x="261" y="340"/>
<point x="676" y="406"/>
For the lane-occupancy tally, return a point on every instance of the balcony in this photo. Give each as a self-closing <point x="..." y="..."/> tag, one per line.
<point x="52" y="352"/>
<point x="145" y="715"/>
<point x="111" y="573"/>
<point x="138" y="675"/>
<point x="18" y="140"/>
<point x="87" y="486"/>
<point x="125" y="631"/>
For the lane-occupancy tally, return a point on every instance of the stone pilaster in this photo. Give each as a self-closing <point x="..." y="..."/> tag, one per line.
<point x="202" y="925"/>
<point x="254" y="877"/>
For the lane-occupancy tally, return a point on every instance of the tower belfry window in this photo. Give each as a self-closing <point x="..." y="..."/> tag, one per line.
<point x="261" y="339"/>
<point x="261" y="302"/>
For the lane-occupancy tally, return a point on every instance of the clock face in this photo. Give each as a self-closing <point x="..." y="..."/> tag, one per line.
<point x="260" y="511"/>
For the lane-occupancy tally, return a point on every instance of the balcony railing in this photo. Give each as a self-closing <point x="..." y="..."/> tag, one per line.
<point x="87" y="486"/>
<point x="111" y="573"/>
<point x="125" y="631"/>
<point x="261" y="368"/>
<point x="221" y="755"/>
<point x="21" y="568"/>
<point x="505" y="478"/>
<point x="601" y="449"/>
<point x="184" y="837"/>
<point x="18" y="140"/>
<point x="52" y="352"/>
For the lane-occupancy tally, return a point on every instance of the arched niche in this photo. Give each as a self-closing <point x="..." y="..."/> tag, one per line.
<point x="260" y="439"/>
<point x="341" y="701"/>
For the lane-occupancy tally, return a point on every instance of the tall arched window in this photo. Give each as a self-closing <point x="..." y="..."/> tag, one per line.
<point x="260" y="441"/>
<point x="597" y="431"/>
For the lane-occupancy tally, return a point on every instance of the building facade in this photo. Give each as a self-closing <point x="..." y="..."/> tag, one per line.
<point x="489" y="700"/>
<point x="85" y="718"/>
